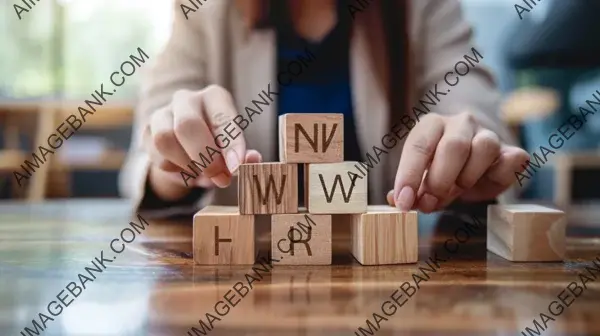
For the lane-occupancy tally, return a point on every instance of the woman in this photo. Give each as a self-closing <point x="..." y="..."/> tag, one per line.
<point x="380" y="63"/>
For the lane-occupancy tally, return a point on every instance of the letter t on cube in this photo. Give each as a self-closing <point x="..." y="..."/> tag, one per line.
<point x="311" y="137"/>
<point x="222" y="236"/>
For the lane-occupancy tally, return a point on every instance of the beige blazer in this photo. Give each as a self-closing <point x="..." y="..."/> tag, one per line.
<point x="215" y="47"/>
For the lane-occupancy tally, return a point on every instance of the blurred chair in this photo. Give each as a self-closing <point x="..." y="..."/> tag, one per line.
<point x="39" y="120"/>
<point x="107" y="117"/>
<point x="16" y="119"/>
<point x="10" y="155"/>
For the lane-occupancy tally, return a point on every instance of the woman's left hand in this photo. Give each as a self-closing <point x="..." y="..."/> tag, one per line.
<point x="450" y="157"/>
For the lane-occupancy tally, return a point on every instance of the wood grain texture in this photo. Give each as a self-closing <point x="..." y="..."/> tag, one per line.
<point x="384" y="235"/>
<point x="526" y="232"/>
<point x="311" y="137"/>
<point x="336" y="188"/>
<point x="268" y="188"/>
<point x="302" y="286"/>
<point x="306" y="186"/>
<point x="222" y="236"/>
<point x="155" y="281"/>
<point x="301" y="239"/>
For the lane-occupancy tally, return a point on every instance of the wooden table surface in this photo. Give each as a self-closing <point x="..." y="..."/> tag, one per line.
<point x="154" y="288"/>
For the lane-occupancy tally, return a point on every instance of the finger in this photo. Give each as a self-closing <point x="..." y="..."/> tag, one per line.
<point x="511" y="160"/>
<point x="450" y="156"/>
<point x="165" y="142"/>
<point x="162" y="163"/>
<point x="196" y="138"/>
<point x="417" y="154"/>
<point x="484" y="190"/>
<point x="204" y="182"/>
<point x="168" y="166"/>
<point x="455" y="192"/>
<point x="219" y="110"/>
<point x="200" y="181"/>
<point x="500" y="176"/>
<point x="427" y="203"/>
<point x="421" y="191"/>
<point x="172" y="173"/>
<point x="485" y="150"/>
<point x="390" y="198"/>
<point x="175" y="178"/>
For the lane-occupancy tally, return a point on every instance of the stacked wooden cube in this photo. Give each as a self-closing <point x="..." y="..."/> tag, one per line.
<point x="335" y="194"/>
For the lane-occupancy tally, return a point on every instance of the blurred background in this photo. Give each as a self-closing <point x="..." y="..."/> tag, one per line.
<point x="546" y="65"/>
<point x="61" y="51"/>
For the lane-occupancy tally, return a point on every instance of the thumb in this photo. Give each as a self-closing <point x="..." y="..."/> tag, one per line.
<point x="234" y="156"/>
<point x="253" y="156"/>
<point x="390" y="198"/>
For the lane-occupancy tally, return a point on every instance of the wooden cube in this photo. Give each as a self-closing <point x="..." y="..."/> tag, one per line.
<point x="526" y="232"/>
<point x="222" y="236"/>
<point x="268" y="188"/>
<point x="385" y="235"/>
<point x="311" y="137"/>
<point x="301" y="239"/>
<point x="336" y="188"/>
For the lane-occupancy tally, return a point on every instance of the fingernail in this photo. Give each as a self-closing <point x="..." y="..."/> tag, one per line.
<point x="428" y="203"/>
<point x="232" y="161"/>
<point x="222" y="180"/>
<point x="405" y="199"/>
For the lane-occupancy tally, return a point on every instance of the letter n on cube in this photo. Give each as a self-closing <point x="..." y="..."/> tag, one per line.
<point x="311" y="137"/>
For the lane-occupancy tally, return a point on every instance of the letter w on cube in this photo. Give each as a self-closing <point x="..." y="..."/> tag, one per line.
<point x="268" y="188"/>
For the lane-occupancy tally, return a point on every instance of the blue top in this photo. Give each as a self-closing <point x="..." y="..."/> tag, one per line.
<point x="324" y="84"/>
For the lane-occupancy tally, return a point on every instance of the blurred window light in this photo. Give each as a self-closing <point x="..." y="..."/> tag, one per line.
<point x="66" y="48"/>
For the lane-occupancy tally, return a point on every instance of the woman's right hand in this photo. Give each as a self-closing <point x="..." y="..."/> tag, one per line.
<point x="181" y="131"/>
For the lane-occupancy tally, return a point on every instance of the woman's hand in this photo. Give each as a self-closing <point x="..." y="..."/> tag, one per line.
<point x="445" y="158"/>
<point x="179" y="133"/>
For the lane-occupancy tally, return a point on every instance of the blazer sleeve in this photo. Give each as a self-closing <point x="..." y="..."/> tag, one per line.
<point x="448" y="39"/>
<point x="180" y="65"/>
<point x="445" y="40"/>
